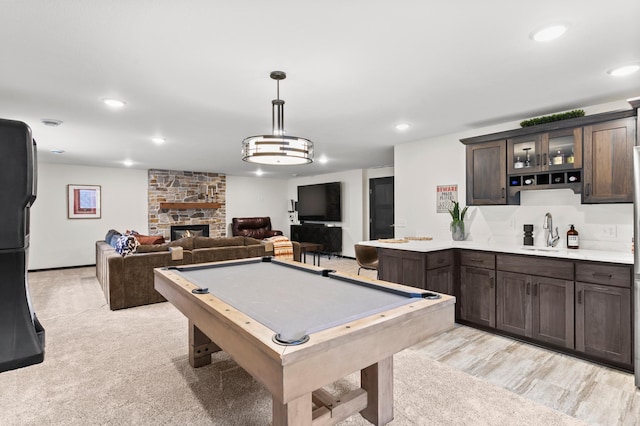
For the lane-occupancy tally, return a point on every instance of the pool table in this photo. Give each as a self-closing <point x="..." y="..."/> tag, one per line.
<point x="296" y="328"/>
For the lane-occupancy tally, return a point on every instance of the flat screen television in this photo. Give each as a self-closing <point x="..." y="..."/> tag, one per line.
<point x="319" y="202"/>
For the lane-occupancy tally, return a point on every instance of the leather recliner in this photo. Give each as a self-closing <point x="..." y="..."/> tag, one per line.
<point x="254" y="227"/>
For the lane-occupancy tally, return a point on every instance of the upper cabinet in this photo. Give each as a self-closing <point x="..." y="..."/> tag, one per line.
<point x="608" y="161"/>
<point x="558" y="150"/>
<point x="591" y="155"/>
<point x="486" y="173"/>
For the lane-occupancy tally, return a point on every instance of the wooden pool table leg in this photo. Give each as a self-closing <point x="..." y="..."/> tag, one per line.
<point x="296" y="412"/>
<point x="200" y="347"/>
<point x="377" y="380"/>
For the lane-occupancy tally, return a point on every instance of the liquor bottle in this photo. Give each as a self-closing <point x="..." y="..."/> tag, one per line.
<point x="572" y="238"/>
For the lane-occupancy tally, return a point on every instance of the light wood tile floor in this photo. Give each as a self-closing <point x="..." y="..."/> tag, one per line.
<point x="589" y="392"/>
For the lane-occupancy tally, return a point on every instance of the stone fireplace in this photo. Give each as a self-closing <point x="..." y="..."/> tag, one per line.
<point x="186" y="199"/>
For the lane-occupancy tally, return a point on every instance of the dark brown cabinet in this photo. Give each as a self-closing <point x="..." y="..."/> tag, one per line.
<point x="402" y="267"/>
<point x="430" y="271"/>
<point x="440" y="271"/>
<point x="608" y="161"/>
<point x="579" y="306"/>
<point x="440" y="280"/>
<point x="603" y="311"/>
<point x="553" y="311"/>
<point x="549" y="151"/>
<point x="487" y="173"/>
<point x="590" y="155"/>
<point x="536" y="306"/>
<point x="477" y="299"/>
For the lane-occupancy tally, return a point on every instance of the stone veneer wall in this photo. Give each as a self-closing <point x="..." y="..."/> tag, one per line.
<point x="184" y="186"/>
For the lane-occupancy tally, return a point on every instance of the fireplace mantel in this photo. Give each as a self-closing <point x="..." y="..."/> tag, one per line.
<point x="185" y="206"/>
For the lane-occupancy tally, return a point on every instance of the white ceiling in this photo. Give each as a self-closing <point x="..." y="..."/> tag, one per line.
<point x="197" y="73"/>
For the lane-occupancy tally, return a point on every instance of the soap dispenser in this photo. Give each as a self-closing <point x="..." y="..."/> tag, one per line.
<point x="572" y="238"/>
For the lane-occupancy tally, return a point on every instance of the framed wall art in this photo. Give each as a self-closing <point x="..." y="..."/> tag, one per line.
<point x="83" y="201"/>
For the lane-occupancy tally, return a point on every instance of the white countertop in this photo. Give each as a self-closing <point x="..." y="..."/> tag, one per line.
<point x="560" y="253"/>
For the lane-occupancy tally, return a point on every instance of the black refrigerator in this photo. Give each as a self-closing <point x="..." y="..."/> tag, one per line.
<point x="21" y="334"/>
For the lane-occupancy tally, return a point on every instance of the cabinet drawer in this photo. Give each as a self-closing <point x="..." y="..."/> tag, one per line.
<point x="439" y="258"/>
<point x="533" y="265"/>
<point x="478" y="259"/>
<point x="598" y="273"/>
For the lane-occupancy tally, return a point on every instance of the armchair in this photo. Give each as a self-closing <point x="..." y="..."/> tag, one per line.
<point x="254" y="227"/>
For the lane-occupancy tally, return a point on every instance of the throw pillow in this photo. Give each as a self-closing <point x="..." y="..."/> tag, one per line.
<point x="126" y="244"/>
<point x="150" y="239"/>
<point x="111" y="237"/>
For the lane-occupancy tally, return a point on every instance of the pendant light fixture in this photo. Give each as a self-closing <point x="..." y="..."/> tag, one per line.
<point x="277" y="148"/>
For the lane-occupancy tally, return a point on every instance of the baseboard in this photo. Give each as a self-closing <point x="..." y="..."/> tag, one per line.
<point x="60" y="268"/>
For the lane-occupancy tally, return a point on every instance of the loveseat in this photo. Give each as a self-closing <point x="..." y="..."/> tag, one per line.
<point x="127" y="281"/>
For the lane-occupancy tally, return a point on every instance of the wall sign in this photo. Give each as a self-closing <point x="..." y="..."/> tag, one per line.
<point x="446" y="195"/>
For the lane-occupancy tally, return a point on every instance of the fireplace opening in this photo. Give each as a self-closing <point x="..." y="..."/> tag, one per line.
<point x="182" y="231"/>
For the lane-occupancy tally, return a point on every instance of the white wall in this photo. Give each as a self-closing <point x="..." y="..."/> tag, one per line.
<point x="421" y="166"/>
<point x="352" y="203"/>
<point x="251" y="197"/>
<point x="57" y="241"/>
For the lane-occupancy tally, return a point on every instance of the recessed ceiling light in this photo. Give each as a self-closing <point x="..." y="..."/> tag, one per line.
<point x="323" y="159"/>
<point x="114" y="103"/>
<point x="51" y="122"/>
<point x="128" y="163"/>
<point x="259" y="172"/>
<point x="624" y="70"/>
<point x="402" y="126"/>
<point x="158" y="140"/>
<point x="57" y="151"/>
<point x="548" y="33"/>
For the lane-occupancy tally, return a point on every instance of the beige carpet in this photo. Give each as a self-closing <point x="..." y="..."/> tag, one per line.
<point x="130" y="367"/>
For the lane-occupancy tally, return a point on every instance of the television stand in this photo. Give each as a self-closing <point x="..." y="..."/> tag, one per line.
<point x="329" y="237"/>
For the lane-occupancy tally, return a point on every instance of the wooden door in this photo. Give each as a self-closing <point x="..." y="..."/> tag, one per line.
<point x="381" y="208"/>
<point x="487" y="173"/>
<point x="603" y="321"/>
<point x="478" y="296"/>
<point x="513" y="303"/>
<point x="553" y="311"/>
<point x="608" y="161"/>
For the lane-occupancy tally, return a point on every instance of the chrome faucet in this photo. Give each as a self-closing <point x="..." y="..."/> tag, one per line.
<point x="548" y="231"/>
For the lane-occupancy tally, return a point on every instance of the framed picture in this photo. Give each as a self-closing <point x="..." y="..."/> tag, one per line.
<point x="83" y="201"/>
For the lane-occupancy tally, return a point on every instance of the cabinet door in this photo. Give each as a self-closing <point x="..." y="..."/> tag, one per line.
<point x="524" y="154"/>
<point x="478" y="296"/>
<point x="513" y="303"/>
<point x="603" y="321"/>
<point x="562" y="149"/>
<point x="556" y="150"/>
<point x="487" y="173"/>
<point x="440" y="280"/>
<point x="608" y="161"/>
<point x="402" y="267"/>
<point x="553" y="309"/>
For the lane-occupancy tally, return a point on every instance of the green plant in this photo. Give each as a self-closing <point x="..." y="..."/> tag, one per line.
<point x="456" y="214"/>
<point x="554" y="117"/>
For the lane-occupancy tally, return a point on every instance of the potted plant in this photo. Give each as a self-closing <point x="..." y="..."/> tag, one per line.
<point x="457" y="221"/>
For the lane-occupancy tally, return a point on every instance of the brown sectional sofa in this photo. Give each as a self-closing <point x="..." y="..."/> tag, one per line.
<point x="128" y="281"/>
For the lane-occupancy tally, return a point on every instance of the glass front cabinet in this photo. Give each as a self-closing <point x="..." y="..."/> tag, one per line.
<point x="545" y="158"/>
